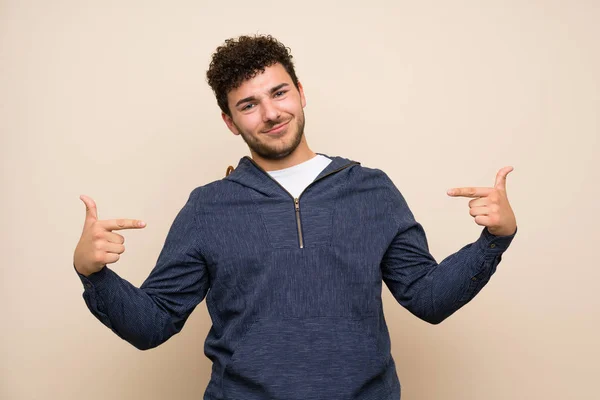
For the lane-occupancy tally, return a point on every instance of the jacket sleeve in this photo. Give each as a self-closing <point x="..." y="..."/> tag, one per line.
<point x="149" y="315"/>
<point x="429" y="290"/>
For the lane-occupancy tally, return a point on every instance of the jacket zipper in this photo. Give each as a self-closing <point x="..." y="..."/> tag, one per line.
<point x="299" y="223"/>
<point x="297" y="200"/>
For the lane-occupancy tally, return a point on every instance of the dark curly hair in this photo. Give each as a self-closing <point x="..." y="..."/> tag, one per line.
<point x="238" y="60"/>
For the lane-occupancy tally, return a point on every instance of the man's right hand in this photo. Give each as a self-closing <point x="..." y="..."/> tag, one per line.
<point x="98" y="245"/>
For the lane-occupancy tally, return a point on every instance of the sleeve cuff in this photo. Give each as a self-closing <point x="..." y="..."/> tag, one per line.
<point x="495" y="244"/>
<point x="95" y="280"/>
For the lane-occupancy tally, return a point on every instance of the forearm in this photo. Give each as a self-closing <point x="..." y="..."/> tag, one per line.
<point x="130" y="312"/>
<point x="460" y="276"/>
<point x="433" y="291"/>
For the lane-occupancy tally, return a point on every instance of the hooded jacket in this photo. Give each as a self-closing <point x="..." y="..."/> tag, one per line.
<point x="293" y="286"/>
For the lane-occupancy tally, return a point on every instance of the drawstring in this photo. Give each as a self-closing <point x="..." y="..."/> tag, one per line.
<point x="229" y="170"/>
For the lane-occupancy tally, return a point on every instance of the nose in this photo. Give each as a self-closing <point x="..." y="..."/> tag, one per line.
<point x="270" y="111"/>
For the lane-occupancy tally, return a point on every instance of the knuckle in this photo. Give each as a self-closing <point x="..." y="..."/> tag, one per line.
<point x="99" y="256"/>
<point x="100" y="245"/>
<point x="121" y="223"/>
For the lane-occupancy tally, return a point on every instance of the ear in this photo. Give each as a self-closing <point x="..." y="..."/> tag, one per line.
<point x="302" y="98"/>
<point x="229" y="122"/>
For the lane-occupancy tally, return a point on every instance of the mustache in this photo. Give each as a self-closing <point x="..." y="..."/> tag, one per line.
<point x="274" y="124"/>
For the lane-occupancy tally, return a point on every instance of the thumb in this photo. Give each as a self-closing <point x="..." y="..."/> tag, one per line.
<point x="91" y="212"/>
<point x="501" y="178"/>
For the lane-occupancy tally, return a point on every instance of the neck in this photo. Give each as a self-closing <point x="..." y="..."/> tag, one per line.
<point x="301" y="154"/>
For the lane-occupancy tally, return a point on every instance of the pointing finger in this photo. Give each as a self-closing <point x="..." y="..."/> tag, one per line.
<point x="501" y="178"/>
<point x="119" y="224"/>
<point x="470" y="192"/>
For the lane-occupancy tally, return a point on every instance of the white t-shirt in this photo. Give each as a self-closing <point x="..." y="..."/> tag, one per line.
<point x="295" y="179"/>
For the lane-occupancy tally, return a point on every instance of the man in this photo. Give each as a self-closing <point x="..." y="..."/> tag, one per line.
<point x="290" y="251"/>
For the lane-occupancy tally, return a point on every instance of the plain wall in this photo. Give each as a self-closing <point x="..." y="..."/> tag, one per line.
<point x="109" y="99"/>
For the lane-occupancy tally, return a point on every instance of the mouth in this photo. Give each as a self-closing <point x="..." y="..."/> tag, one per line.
<point x="277" y="128"/>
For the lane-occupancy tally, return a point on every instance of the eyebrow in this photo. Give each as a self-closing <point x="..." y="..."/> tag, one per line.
<point x="252" y="98"/>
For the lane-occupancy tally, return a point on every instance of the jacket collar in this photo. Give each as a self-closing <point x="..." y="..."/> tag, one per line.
<point x="249" y="174"/>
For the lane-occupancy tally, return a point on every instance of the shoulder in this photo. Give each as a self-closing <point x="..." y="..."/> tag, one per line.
<point x="371" y="177"/>
<point x="213" y="192"/>
<point x="375" y="179"/>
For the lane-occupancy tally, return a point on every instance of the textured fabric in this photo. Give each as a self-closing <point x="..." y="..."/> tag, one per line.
<point x="294" y="291"/>
<point x="295" y="179"/>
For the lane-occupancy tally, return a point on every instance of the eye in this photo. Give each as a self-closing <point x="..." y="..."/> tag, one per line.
<point x="280" y="93"/>
<point x="247" y="107"/>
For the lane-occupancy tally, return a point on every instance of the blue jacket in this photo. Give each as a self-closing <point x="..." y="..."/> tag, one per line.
<point x="293" y="286"/>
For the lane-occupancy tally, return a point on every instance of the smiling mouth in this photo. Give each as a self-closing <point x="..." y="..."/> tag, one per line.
<point x="277" y="128"/>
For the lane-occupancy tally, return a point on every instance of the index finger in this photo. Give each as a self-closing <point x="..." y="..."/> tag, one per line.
<point x="118" y="224"/>
<point x="470" y="192"/>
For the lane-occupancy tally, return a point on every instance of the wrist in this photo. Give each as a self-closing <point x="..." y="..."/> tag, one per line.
<point x="82" y="270"/>
<point x="502" y="231"/>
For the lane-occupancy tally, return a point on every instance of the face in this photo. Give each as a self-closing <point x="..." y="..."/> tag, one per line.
<point x="267" y="111"/>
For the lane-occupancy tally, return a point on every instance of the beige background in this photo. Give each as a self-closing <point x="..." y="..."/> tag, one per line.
<point x="109" y="99"/>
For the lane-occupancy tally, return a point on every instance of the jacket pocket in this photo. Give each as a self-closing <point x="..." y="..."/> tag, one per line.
<point x="313" y="358"/>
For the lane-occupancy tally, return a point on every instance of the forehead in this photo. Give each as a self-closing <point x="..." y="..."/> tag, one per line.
<point x="261" y="84"/>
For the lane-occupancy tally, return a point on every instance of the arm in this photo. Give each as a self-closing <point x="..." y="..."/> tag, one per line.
<point x="149" y="315"/>
<point x="429" y="290"/>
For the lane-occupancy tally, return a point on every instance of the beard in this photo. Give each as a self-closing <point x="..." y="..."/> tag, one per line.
<point x="278" y="150"/>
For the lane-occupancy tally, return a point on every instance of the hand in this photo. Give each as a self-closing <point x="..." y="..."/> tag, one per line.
<point x="98" y="245"/>
<point x="490" y="206"/>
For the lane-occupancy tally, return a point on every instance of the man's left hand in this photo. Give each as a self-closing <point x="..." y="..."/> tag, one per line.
<point x="490" y="205"/>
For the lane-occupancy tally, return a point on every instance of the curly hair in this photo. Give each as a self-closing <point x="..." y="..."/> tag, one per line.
<point x="238" y="60"/>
